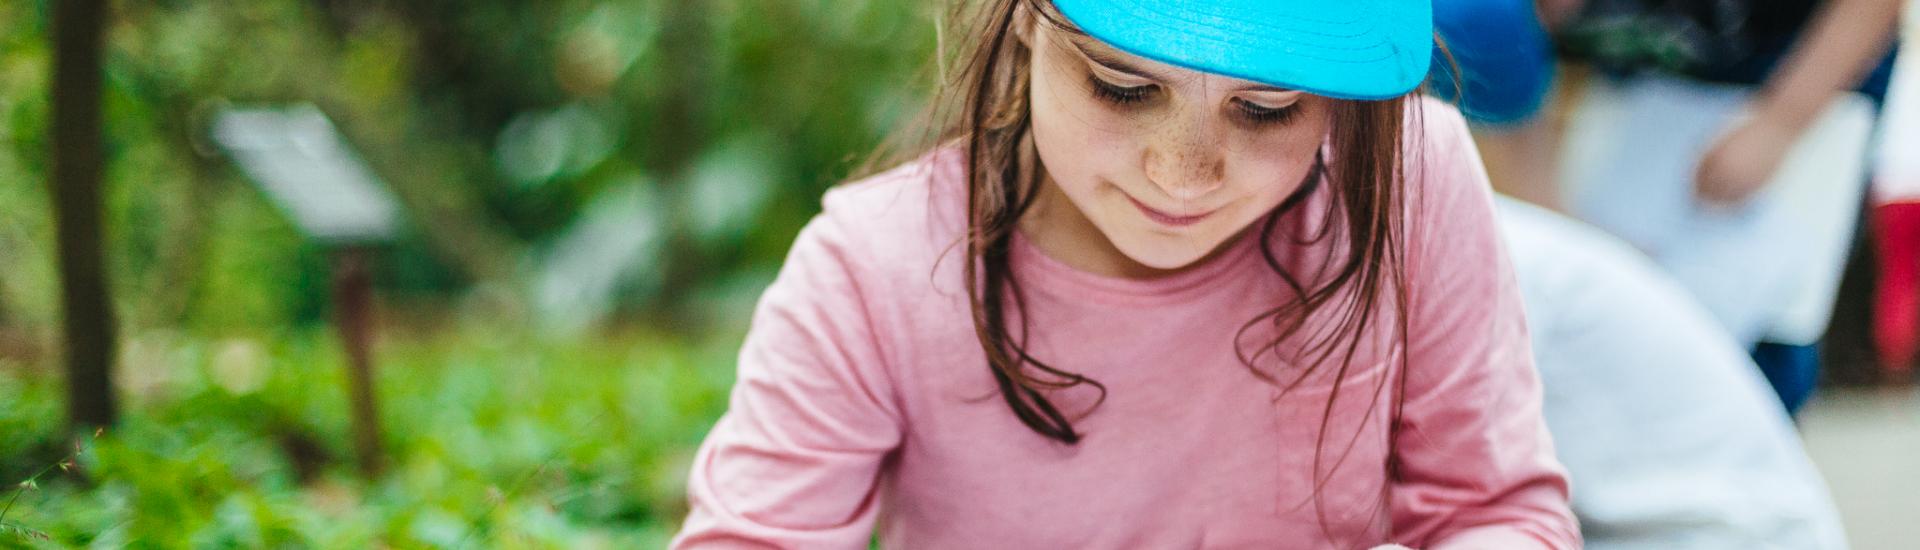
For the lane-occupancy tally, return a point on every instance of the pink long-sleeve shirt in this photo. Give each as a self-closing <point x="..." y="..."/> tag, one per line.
<point x="864" y="403"/>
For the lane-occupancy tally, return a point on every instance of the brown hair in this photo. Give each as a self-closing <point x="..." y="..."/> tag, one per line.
<point x="987" y="112"/>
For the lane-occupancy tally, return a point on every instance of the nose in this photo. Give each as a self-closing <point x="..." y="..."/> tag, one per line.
<point x="1186" y="159"/>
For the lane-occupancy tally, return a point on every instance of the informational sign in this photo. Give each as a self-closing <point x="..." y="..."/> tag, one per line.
<point x="299" y="160"/>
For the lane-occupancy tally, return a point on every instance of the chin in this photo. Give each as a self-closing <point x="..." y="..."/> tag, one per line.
<point x="1159" y="252"/>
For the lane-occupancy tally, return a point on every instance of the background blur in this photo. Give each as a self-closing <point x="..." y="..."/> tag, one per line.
<point x="591" y="195"/>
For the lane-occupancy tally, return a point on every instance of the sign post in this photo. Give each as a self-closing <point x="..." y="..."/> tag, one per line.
<point x="300" y="161"/>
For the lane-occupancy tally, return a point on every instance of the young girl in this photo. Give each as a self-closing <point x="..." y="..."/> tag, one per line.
<point x="1191" y="274"/>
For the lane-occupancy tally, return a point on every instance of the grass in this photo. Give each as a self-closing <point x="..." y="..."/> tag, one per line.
<point x="493" y="440"/>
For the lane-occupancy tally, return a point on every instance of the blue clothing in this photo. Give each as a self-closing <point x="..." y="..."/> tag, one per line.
<point x="1505" y="59"/>
<point x="1792" y="370"/>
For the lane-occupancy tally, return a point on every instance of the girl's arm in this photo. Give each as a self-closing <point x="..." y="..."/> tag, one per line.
<point x="794" y="461"/>
<point x="1475" y="466"/>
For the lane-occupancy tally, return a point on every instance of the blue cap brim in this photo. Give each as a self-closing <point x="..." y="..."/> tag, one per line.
<point x="1349" y="49"/>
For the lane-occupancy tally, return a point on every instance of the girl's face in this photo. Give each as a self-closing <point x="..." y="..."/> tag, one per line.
<point x="1161" y="165"/>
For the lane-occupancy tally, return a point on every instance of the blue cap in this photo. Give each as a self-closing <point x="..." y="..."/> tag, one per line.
<point x="1350" y="49"/>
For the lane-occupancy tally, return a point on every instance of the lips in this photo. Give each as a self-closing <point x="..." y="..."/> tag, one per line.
<point x="1168" y="219"/>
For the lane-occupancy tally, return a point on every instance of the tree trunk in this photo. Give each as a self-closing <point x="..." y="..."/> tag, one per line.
<point x="78" y="26"/>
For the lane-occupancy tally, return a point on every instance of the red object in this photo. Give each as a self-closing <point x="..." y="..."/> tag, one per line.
<point x="1896" y="309"/>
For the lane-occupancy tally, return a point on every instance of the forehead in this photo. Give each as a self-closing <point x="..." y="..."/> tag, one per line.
<point x="1105" y="54"/>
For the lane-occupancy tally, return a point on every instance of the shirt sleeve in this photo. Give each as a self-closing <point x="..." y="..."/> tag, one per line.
<point x="1476" y="467"/>
<point x="812" y="417"/>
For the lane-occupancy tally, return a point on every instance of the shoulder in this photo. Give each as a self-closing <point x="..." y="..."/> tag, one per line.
<point x="1436" y="140"/>
<point x="923" y="195"/>
<point x="1443" y="175"/>
<point x="1442" y="120"/>
<point x="1450" y="231"/>
<point x="901" y="221"/>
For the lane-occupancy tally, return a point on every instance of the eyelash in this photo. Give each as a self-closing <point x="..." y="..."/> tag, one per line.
<point x="1125" y="96"/>
<point x="1118" y="95"/>
<point x="1265" y="115"/>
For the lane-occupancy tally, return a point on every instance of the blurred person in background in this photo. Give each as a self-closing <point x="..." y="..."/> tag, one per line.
<point x="1896" y="214"/>
<point x="1767" y="272"/>
<point x="1671" y="437"/>
<point x="1209" y="274"/>
<point x="1670" y="434"/>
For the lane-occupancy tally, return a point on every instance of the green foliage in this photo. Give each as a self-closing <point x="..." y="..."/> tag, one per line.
<point x="496" y="440"/>
<point x="501" y="126"/>
<point x="496" y="123"/>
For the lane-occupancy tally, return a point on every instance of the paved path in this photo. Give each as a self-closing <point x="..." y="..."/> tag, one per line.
<point x="1867" y="444"/>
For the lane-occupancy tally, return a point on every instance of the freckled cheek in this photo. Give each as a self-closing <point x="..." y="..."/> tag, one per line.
<point x="1080" y="144"/>
<point x="1270" y="166"/>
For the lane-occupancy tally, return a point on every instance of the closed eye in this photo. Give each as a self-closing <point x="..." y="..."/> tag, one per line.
<point x="1263" y="115"/>
<point x="1117" y="94"/>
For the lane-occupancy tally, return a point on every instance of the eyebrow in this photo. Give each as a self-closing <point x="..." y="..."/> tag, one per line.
<point x="1108" y="60"/>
